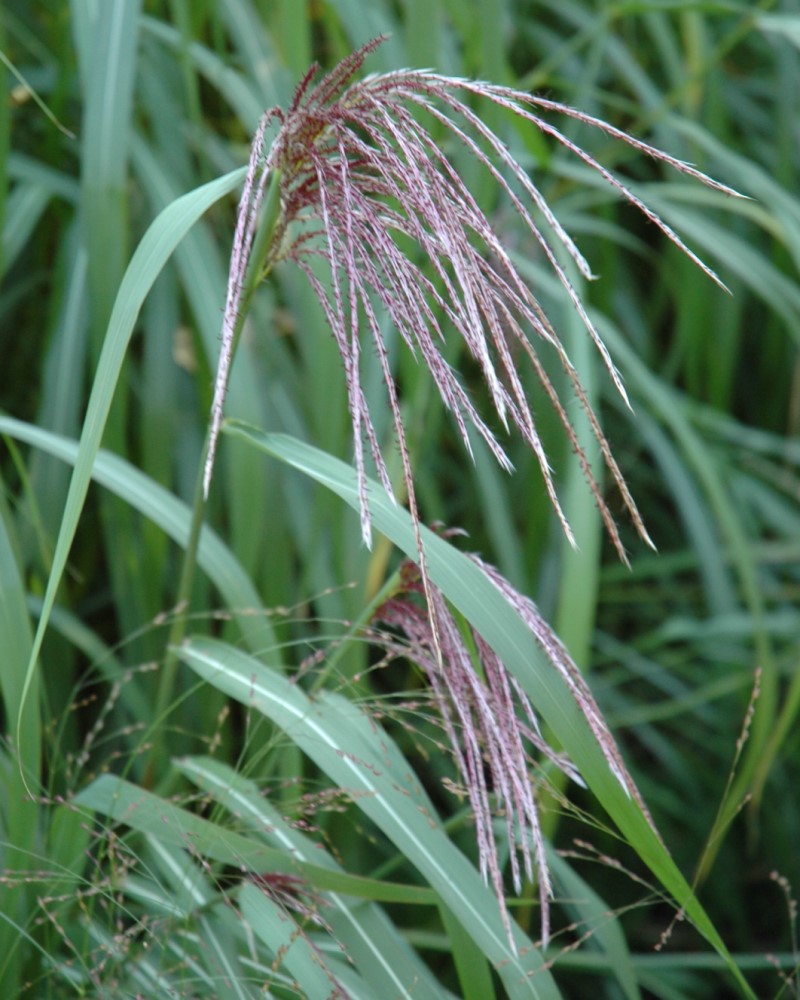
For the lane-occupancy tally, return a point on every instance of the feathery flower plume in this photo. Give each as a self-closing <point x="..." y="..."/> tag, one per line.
<point x="359" y="175"/>
<point x="491" y="723"/>
<point x="359" y="178"/>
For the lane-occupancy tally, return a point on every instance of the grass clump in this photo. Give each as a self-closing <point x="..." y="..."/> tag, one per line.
<point x="288" y="753"/>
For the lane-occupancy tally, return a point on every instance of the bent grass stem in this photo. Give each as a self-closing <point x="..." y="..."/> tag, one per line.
<point x="269" y="234"/>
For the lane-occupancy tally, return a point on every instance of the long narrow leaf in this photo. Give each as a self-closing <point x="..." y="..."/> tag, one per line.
<point x="379" y="952"/>
<point x="127" y="803"/>
<point x="173" y="516"/>
<point x="156" y="247"/>
<point x="345" y="743"/>
<point x="292" y="949"/>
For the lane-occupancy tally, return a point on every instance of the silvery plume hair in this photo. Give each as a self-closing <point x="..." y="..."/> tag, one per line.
<point x="357" y="161"/>
<point x="360" y="177"/>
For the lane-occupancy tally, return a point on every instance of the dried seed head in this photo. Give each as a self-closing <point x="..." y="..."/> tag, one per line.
<point x="361" y="176"/>
<point x="491" y="723"/>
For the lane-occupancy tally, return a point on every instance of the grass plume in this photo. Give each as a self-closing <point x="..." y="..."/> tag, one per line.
<point x="359" y="177"/>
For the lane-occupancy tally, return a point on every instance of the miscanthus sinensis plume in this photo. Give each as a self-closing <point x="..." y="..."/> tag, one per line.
<point x="490" y="722"/>
<point x="354" y="176"/>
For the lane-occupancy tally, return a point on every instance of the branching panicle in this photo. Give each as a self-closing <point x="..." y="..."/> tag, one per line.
<point x="357" y="158"/>
<point x="359" y="175"/>
<point x="491" y="723"/>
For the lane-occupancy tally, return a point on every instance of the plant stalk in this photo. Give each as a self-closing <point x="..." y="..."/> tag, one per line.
<point x="265" y="251"/>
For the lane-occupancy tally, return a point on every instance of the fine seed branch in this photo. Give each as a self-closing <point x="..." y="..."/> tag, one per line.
<point x="359" y="176"/>
<point x="491" y="723"/>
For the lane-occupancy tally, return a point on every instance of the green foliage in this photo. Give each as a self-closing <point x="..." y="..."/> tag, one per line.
<point x="306" y="835"/>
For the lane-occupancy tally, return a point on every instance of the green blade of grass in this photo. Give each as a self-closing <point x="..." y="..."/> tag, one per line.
<point x="292" y="949"/>
<point x="107" y="42"/>
<point x="787" y="25"/>
<point x="157" y="245"/>
<point x="240" y="93"/>
<point x="595" y="920"/>
<point x="666" y="403"/>
<point x="146" y="812"/>
<point x="19" y="819"/>
<point x="380" y="953"/>
<point x="23" y="210"/>
<point x="351" y="749"/>
<point x="474" y="972"/>
<point x="15" y="642"/>
<point x="173" y="516"/>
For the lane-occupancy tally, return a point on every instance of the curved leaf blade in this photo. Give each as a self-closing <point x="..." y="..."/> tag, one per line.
<point x="173" y="516"/>
<point x="349" y="747"/>
<point x="379" y="952"/>
<point x="164" y="234"/>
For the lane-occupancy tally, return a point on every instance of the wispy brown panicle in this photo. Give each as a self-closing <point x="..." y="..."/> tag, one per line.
<point x="361" y="175"/>
<point x="361" y="179"/>
<point x="491" y="723"/>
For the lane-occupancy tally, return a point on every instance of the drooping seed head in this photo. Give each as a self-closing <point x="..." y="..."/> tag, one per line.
<point x="364" y="173"/>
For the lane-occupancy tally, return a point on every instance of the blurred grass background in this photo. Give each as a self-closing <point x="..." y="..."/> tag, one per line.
<point x="152" y="100"/>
